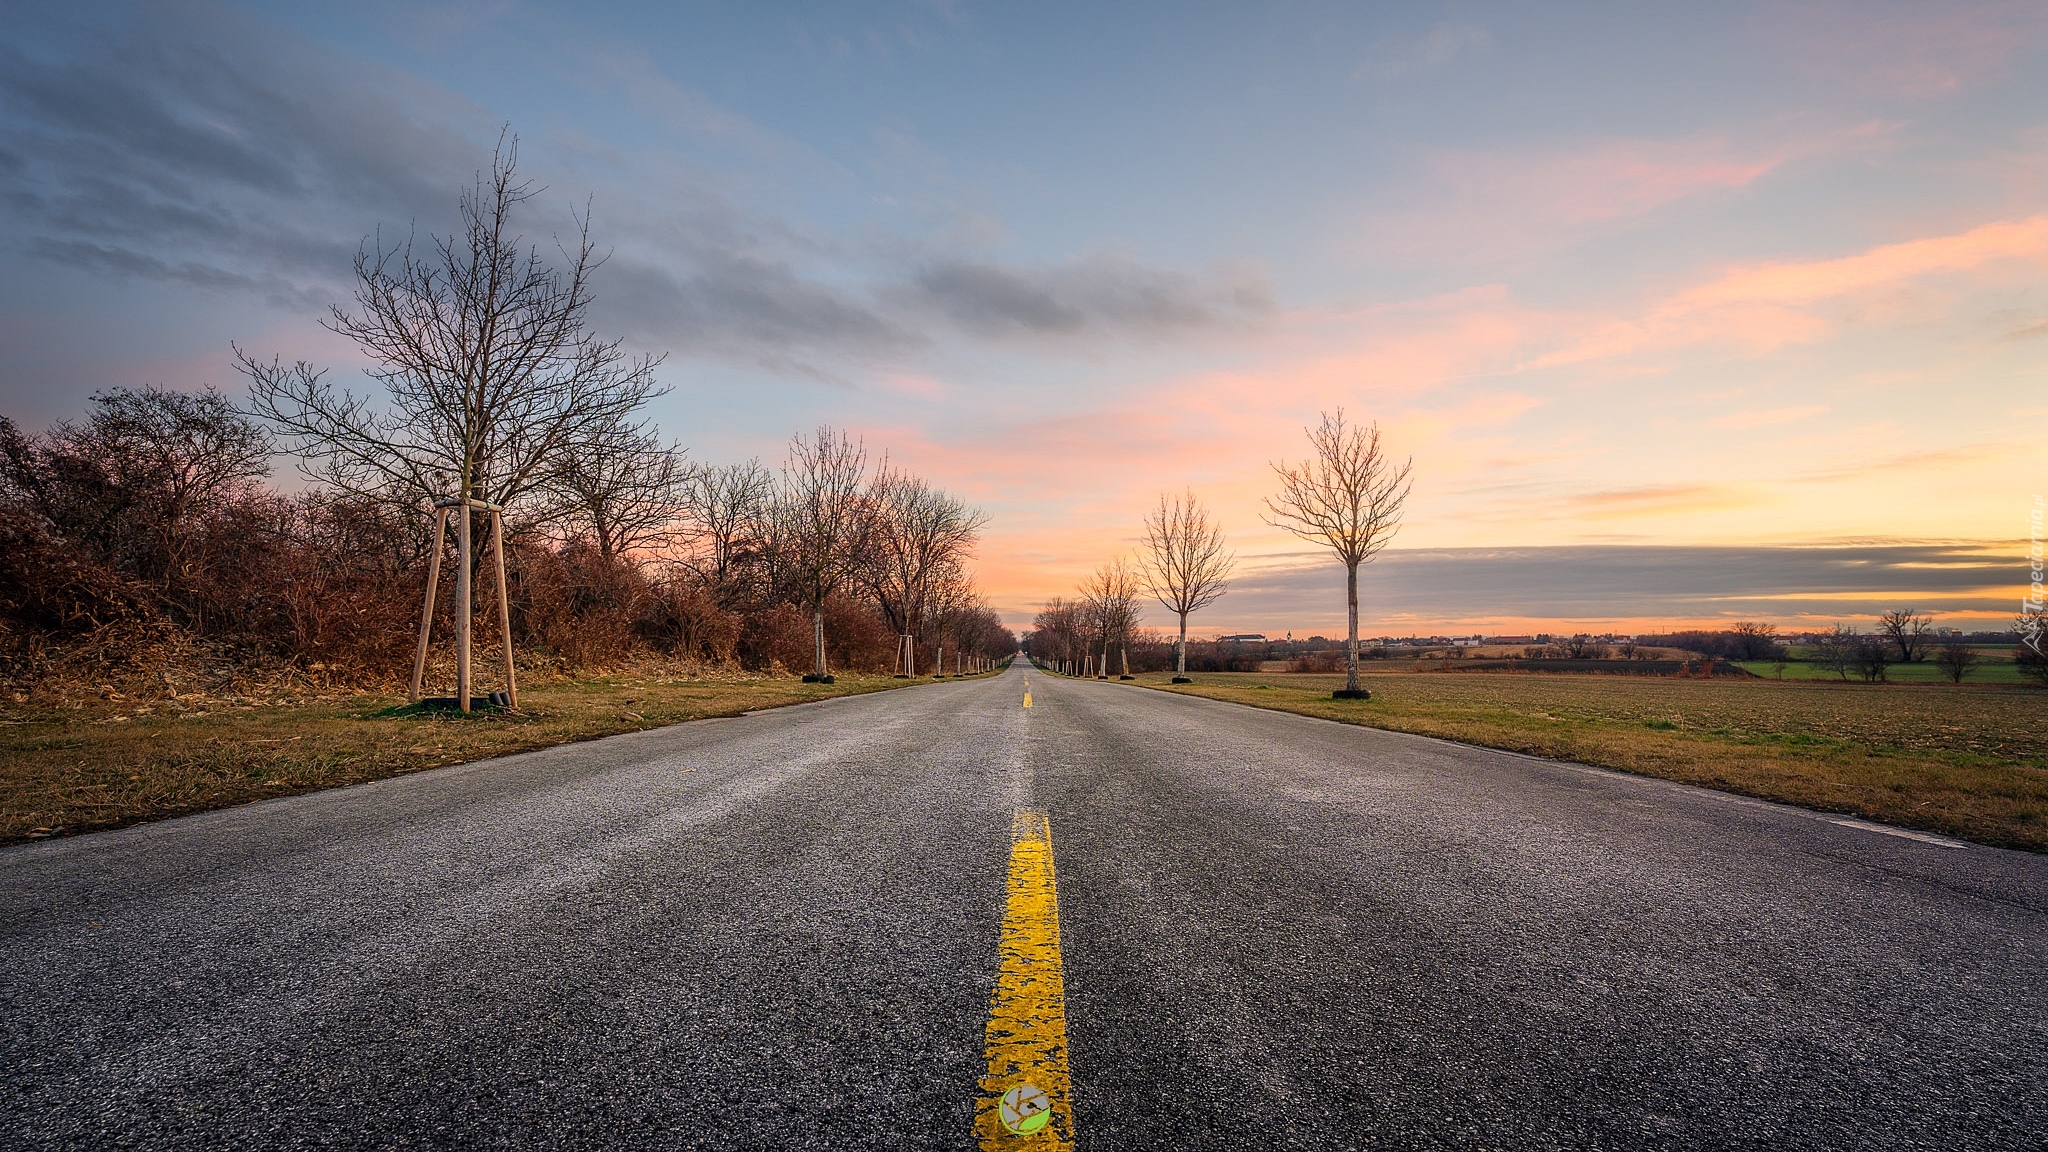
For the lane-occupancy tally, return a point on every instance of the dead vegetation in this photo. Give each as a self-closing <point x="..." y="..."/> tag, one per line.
<point x="103" y="758"/>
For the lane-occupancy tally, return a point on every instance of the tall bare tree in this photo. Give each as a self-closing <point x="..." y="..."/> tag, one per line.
<point x="821" y="519"/>
<point x="729" y="506"/>
<point x="1185" y="565"/>
<point x="491" y="372"/>
<point x="621" y="488"/>
<point x="1348" y="498"/>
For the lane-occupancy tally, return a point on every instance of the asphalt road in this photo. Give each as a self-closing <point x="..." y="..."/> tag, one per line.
<point x="780" y="931"/>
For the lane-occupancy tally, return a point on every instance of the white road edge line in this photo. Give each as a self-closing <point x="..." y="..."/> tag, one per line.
<point x="1901" y="833"/>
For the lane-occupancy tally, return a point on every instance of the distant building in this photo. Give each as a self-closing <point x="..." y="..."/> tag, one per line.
<point x="1243" y="638"/>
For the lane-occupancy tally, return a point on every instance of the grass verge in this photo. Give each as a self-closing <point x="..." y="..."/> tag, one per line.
<point x="1970" y="762"/>
<point x="115" y="762"/>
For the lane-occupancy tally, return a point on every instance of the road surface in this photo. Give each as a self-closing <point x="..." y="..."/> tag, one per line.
<point x="782" y="930"/>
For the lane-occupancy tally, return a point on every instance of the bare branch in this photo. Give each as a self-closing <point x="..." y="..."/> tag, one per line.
<point x="620" y="487"/>
<point x="1348" y="498"/>
<point x="482" y="347"/>
<point x="1185" y="564"/>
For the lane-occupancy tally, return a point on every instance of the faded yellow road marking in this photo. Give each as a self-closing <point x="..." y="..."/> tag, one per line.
<point x="1027" y="692"/>
<point x="1027" y="1016"/>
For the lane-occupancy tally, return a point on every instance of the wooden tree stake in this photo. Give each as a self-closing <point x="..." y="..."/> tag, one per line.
<point x="504" y="608"/>
<point x="419" y="662"/>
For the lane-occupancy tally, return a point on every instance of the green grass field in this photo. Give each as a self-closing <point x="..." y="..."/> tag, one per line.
<point x="1996" y="668"/>
<point x="1969" y="761"/>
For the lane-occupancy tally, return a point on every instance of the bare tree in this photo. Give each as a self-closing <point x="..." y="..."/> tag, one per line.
<point x="1835" y="650"/>
<point x="620" y="487"/>
<point x="1908" y="631"/>
<point x="1348" y="498"/>
<point x="2030" y="650"/>
<point x="729" y="508"/>
<point x="1756" y="639"/>
<point x="917" y="542"/>
<point x="820" y="522"/>
<point x="491" y="371"/>
<point x="1185" y="564"/>
<point x="1110" y="609"/>
<point x="1955" y="658"/>
<point x="1056" y="633"/>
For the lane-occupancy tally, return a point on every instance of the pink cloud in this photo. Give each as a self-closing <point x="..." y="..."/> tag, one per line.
<point x="1495" y="205"/>
<point x="1764" y="306"/>
<point x="1512" y="204"/>
<point x="1805" y="282"/>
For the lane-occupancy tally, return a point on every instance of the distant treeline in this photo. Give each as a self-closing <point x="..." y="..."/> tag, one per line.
<point x="1747" y="641"/>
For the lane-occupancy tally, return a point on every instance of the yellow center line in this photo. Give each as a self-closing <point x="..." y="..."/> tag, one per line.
<point x="1027" y="1016"/>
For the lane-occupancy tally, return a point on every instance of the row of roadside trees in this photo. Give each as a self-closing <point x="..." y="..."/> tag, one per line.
<point x="1346" y="496"/>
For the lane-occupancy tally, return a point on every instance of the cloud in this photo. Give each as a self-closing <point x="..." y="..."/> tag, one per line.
<point x="1768" y="305"/>
<point x="1496" y="205"/>
<point x="194" y="146"/>
<point x="1099" y="293"/>
<point x="1397" y="57"/>
<point x="736" y="304"/>
<point x="1805" y="282"/>
<point x="1513" y="203"/>
<point x="200" y="147"/>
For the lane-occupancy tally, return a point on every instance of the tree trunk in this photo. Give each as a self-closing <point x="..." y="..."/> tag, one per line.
<point x="818" y="636"/>
<point x="462" y="607"/>
<point x="1351" y="662"/>
<point x="1180" y="664"/>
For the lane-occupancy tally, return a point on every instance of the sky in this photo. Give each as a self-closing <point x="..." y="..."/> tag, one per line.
<point x="1685" y="313"/>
